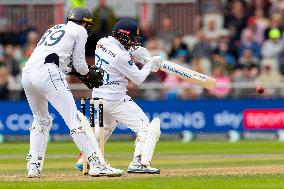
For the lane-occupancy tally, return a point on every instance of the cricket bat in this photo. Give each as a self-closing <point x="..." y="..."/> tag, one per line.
<point x="188" y="74"/>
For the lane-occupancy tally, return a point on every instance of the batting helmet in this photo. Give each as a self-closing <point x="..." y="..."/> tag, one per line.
<point x="127" y="32"/>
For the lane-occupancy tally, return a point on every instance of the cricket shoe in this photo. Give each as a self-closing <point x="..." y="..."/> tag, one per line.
<point x="34" y="170"/>
<point x="79" y="165"/>
<point x="142" y="169"/>
<point x="105" y="170"/>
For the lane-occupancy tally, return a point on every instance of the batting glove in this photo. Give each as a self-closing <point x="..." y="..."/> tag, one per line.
<point x="156" y="62"/>
<point x="141" y="55"/>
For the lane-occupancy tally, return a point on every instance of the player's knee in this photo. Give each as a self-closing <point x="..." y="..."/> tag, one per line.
<point x="42" y="125"/>
<point x="77" y="131"/>
<point x="79" y="127"/>
<point x="141" y="134"/>
<point x="144" y="129"/>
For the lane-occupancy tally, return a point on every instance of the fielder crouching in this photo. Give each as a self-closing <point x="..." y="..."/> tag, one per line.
<point x="60" y="51"/>
<point x="112" y="55"/>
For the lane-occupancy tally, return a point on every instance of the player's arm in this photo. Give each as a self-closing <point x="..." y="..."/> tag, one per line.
<point x="131" y="71"/>
<point x="91" y="76"/>
<point x="94" y="77"/>
<point x="78" y="56"/>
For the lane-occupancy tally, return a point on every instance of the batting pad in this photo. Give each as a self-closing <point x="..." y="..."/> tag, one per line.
<point x="91" y="136"/>
<point x="152" y="138"/>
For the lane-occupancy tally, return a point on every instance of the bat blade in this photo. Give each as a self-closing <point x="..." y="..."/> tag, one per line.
<point x="188" y="74"/>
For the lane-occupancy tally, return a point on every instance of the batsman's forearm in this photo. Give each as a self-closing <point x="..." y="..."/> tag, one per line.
<point x="143" y="74"/>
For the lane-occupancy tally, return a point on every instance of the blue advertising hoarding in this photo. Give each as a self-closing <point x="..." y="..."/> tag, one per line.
<point x="176" y="116"/>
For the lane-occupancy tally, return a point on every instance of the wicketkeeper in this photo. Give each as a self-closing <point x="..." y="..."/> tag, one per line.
<point x="61" y="51"/>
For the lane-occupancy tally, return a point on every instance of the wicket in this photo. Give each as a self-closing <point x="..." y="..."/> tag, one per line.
<point x="92" y="124"/>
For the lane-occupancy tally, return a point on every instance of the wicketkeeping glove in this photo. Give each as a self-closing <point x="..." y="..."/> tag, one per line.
<point x="93" y="79"/>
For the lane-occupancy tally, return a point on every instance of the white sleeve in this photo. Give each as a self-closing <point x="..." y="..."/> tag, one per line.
<point x="78" y="57"/>
<point x="131" y="71"/>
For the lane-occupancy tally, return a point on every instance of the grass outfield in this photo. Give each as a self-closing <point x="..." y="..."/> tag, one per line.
<point x="206" y="164"/>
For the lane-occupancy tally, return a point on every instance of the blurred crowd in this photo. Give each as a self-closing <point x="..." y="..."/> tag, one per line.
<point x="245" y="50"/>
<point x="247" y="47"/>
<point x="15" y="49"/>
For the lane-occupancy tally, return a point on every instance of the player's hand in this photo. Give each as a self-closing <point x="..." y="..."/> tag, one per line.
<point x="156" y="63"/>
<point x="141" y="54"/>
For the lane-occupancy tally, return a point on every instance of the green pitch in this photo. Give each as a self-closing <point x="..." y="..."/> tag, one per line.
<point x="206" y="164"/>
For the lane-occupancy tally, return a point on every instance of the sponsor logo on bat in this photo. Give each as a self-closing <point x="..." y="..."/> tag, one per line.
<point x="177" y="71"/>
<point x="182" y="73"/>
<point x="201" y="77"/>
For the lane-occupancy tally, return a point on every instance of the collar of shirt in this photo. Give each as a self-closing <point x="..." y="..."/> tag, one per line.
<point x="73" y="23"/>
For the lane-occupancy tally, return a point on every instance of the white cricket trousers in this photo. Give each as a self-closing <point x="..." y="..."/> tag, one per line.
<point x="45" y="85"/>
<point x="48" y="84"/>
<point x="128" y="113"/>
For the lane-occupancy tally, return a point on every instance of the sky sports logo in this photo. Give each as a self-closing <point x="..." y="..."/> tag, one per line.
<point x="254" y="119"/>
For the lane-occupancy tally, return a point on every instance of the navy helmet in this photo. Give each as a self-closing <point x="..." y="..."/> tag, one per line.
<point x="127" y="32"/>
<point x="82" y="15"/>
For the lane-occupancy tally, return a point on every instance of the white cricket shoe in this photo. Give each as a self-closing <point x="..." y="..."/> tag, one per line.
<point x="33" y="170"/>
<point x="105" y="170"/>
<point x="142" y="169"/>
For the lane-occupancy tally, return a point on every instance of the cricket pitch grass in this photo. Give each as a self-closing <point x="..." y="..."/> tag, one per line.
<point x="203" y="164"/>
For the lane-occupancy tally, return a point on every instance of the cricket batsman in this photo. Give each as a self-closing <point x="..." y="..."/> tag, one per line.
<point x="113" y="56"/>
<point x="61" y="51"/>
